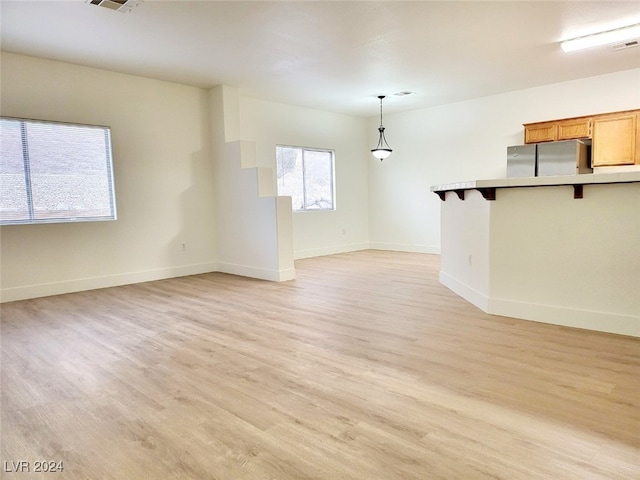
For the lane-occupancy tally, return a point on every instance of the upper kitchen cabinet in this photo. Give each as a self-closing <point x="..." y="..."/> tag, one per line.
<point x="615" y="139"/>
<point x="540" y="132"/>
<point x="566" y="129"/>
<point x="574" y="128"/>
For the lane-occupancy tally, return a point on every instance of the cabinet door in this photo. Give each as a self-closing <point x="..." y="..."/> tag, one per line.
<point x="614" y="139"/>
<point x="576" y="128"/>
<point x="540" y="132"/>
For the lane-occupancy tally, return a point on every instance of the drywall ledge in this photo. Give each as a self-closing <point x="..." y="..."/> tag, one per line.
<point x="254" y="233"/>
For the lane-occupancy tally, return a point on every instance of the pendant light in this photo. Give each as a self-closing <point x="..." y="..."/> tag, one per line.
<point x="382" y="150"/>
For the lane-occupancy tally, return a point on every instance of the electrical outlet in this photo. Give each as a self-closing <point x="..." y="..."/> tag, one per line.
<point x="183" y="247"/>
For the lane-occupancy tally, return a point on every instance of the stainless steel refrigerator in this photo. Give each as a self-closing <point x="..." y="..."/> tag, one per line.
<point x="568" y="157"/>
<point x="521" y="160"/>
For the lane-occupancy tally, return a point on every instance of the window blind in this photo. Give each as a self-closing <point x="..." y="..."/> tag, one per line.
<point x="55" y="172"/>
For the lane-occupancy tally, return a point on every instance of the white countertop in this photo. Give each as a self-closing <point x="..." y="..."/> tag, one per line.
<point x="584" y="179"/>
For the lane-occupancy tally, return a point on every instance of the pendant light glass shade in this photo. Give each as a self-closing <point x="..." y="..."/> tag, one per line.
<point x="382" y="150"/>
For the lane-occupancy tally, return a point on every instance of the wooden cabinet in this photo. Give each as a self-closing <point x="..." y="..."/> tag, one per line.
<point x="614" y="139"/>
<point x="567" y="129"/>
<point x="540" y="132"/>
<point x="574" y="128"/>
<point x="615" y="136"/>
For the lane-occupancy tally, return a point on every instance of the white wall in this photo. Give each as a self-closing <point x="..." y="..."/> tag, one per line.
<point x="163" y="181"/>
<point x="566" y="261"/>
<point x="165" y="169"/>
<point x="465" y="258"/>
<point x="253" y="226"/>
<point x="175" y="166"/>
<point x="317" y="233"/>
<point x="467" y="141"/>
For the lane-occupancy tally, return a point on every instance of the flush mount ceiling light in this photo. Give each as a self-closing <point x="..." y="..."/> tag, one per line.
<point x="118" y="5"/>
<point x="382" y="150"/>
<point x="610" y="37"/>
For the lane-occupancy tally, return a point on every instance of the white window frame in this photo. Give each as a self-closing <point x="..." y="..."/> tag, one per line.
<point x="304" y="183"/>
<point x="58" y="215"/>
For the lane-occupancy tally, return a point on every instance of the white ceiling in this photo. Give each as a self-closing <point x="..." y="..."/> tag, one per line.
<point x="329" y="55"/>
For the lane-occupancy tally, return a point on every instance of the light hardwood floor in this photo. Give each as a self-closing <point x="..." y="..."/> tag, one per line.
<point x="365" y="367"/>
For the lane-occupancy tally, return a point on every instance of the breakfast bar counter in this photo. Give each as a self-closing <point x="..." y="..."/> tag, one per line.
<point x="566" y="253"/>
<point x="489" y="187"/>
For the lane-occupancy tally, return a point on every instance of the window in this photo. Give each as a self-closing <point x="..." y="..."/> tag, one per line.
<point x="306" y="175"/>
<point x="54" y="172"/>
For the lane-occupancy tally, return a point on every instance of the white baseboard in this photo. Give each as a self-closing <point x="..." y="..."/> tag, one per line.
<point x="256" y="272"/>
<point x="286" y="275"/>
<point x="568" y="317"/>
<point x="354" y="247"/>
<point x="608" y="322"/>
<point x="332" y="250"/>
<point x="405" y="247"/>
<point x="82" y="284"/>
<point x="470" y="294"/>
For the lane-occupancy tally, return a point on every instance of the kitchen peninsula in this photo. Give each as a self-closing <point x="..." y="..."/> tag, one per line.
<point x="558" y="249"/>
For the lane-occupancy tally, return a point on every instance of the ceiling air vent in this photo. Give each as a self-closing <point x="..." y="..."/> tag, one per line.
<point x="119" y="5"/>
<point x="625" y="45"/>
